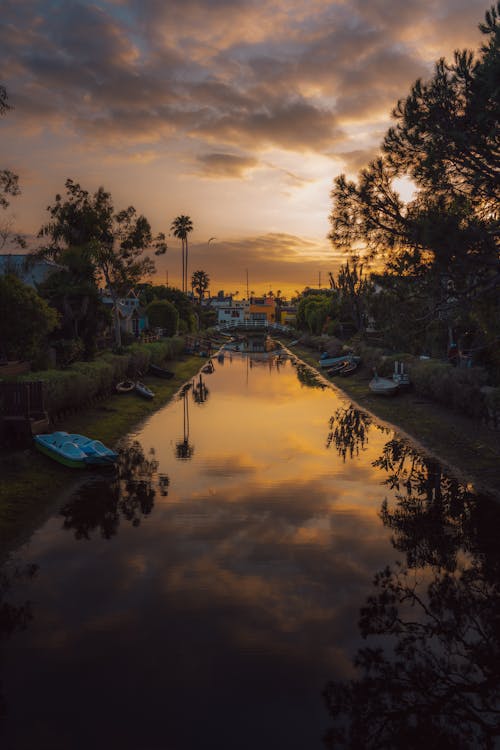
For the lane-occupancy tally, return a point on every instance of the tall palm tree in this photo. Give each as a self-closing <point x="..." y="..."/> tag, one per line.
<point x="180" y="227"/>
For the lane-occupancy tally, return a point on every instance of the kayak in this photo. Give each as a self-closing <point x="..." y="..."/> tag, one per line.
<point x="143" y="390"/>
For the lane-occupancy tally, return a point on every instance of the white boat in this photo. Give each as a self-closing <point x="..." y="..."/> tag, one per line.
<point x="383" y="386"/>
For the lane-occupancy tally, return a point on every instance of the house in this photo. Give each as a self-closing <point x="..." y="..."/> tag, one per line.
<point x="262" y="309"/>
<point x="133" y="318"/>
<point x="29" y="269"/>
<point x="288" y="315"/>
<point x="232" y="312"/>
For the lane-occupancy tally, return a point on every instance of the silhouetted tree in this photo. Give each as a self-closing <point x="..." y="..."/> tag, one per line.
<point x="112" y="244"/>
<point x="200" y="281"/>
<point x="446" y="141"/>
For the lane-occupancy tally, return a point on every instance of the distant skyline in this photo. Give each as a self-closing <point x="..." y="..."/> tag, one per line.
<point x="238" y="113"/>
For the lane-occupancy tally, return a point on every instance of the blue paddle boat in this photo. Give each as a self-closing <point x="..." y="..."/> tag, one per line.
<point x="75" y="451"/>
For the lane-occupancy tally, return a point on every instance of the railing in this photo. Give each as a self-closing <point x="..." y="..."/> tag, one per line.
<point x="251" y="324"/>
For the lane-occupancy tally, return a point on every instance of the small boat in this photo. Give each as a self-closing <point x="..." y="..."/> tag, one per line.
<point x="125" y="386"/>
<point x="349" y="368"/>
<point x="75" y="451"/>
<point x="143" y="390"/>
<point x="208" y="368"/>
<point x="326" y="361"/>
<point x="383" y="386"/>
<point x="161" y="372"/>
<point x="336" y="369"/>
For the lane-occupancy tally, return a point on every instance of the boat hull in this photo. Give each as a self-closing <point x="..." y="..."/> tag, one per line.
<point x="331" y="361"/>
<point x="383" y="387"/>
<point x="144" y="391"/>
<point x="75" y="451"/>
<point x="61" y="459"/>
<point x="161" y="372"/>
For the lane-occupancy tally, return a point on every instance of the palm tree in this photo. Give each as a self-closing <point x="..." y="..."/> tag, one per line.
<point x="180" y="227"/>
<point x="199" y="283"/>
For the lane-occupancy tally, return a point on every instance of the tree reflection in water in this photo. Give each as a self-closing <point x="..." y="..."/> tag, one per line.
<point x="309" y="377"/>
<point x="430" y="677"/>
<point x="349" y="431"/>
<point x="13" y="616"/>
<point x="129" y="494"/>
<point x="183" y="448"/>
<point x="200" y="391"/>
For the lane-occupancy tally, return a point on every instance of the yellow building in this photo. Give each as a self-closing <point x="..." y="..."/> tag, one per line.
<point x="262" y="308"/>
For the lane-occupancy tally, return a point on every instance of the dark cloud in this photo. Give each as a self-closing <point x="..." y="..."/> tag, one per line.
<point x="236" y="73"/>
<point x="225" y="165"/>
<point x="277" y="259"/>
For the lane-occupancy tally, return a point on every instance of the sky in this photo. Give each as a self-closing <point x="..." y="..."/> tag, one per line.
<point x="238" y="113"/>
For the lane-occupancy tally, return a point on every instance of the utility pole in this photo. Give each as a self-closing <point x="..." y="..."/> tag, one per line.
<point x="247" y="286"/>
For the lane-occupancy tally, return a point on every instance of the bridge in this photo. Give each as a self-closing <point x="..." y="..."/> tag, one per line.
<point x="257" y="326"/>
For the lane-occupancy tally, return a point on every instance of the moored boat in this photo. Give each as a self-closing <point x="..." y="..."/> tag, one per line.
<point x="75" y="451"/>
<point x="326" y="361"/>
<point x="337" y="368"/>
<point x="349" y="368"/>
<point x="161" y="372"/>
<point x="125" y="386"/>
<point x="383" y="386"/>
<point x="143" y="390"/>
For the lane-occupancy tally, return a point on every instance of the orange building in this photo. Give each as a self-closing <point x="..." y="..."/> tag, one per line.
<point x="262" y="308"/>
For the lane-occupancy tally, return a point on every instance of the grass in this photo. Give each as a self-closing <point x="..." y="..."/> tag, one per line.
<point x="31" y="482"/>
<point x="468" y="448"/>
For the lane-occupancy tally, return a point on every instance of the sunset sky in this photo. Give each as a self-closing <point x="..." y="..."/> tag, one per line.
<point x="238" y="113"/>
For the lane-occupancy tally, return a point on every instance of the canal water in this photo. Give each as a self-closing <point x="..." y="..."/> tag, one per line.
<point x="266" y="568"/>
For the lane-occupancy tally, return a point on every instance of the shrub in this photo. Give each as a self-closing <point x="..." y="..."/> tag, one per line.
<point x="83" y="381"/>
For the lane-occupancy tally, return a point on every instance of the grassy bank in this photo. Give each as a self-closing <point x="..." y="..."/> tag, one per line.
<point x="31" y="483"/>
<point x="468" y="448"/>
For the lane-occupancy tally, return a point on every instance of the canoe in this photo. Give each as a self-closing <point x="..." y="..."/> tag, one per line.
<point x="336" y="369"/>
<point x="161" y="372"/>
<point x="329" y="361"/>
<point x="383" y="386"/>
<point x="348" y="369"/>
<point x="143" y="390"/>
<point x="75" y="451"/>
<point x="126" y="386"/>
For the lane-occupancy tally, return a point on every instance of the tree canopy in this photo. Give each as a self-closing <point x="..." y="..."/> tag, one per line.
<point x="111" y="244"/>
<point x="9" y="188"/>
<point x="200" y="281"/>
<point x="446" y="141"/>
<point x="25" y="318"/>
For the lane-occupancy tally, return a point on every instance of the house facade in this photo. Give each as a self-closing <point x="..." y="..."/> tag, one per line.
<point x="133" y="318"/>
<point x="262" y="309"/>
<point x="28" y="269"/>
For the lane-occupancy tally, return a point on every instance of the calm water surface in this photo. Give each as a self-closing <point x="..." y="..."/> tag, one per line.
<point x="209" y="594"/>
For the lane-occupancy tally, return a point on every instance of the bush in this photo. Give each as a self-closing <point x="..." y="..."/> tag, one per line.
<point x="83" y="381"/>
<point x="456" y="387"/>
<point x="163" y="314"/>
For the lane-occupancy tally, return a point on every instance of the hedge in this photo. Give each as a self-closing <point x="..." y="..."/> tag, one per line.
<point x="84" y="381"/>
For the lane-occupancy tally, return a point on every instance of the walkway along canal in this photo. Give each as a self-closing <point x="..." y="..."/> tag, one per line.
<point x="209" y="593"/>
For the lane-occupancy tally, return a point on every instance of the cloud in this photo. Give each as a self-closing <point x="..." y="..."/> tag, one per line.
<point x="225" y="165"/>
<point x="357" y="159"/>
<point x="279" y="260"/>
<point x="245" y="73"/>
